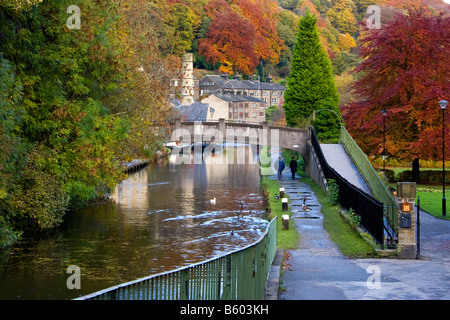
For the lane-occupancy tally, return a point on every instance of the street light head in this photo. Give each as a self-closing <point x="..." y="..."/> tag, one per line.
<point x="443" y="104"/>
<point x="383" y="112"/>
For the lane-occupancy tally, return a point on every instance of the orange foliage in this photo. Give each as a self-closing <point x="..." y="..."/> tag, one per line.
<point x="241" y="34"/>
<point x="262" y="15"/>
<point x="229" y="41"/>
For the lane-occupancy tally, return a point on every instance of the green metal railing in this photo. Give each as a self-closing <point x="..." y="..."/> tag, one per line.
<point x="377" y="186"/>
<point x="239" y="275"/>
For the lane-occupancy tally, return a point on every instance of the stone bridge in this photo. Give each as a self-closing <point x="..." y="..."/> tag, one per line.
<point x="317" y="159"/>
<point x="254" y="134"/>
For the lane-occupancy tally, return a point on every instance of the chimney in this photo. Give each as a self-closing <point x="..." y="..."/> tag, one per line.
<point x="225" y="76"/>
<point x="187" y="87"/>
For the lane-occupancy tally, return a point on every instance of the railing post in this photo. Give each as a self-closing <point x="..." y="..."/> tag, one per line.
<point x="184" y="284"/>
<point x="227" y="280"/>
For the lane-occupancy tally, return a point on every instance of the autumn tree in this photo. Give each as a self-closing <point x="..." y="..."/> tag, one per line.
<point x="230" y="41"/>
<point x="184" y="24"/>
<point x="75" y="104"/>
<point x="311" y="86"/>
<point x="405" y="72"/>
<point x="262" y="15"/>
<point x="342" y="16"/>
<point x="346" y="42"/>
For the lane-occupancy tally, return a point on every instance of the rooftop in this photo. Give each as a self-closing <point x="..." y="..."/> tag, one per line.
<point x="194" y="112"/>
<point x="242" y="84"/>
<point x="237" y="98"/>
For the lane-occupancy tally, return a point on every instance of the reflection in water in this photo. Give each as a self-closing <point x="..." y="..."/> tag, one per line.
<point x="157" y="220"/>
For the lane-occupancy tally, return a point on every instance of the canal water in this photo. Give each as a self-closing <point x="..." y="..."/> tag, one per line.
<point x="159" y="219"/>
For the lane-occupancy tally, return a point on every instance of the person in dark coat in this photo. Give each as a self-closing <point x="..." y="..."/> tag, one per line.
<point x="293" y="165"/>
<point x="280" y="167"/>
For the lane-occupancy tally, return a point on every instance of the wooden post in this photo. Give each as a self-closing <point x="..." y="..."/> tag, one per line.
<point x="285" y="221"/>
<point x="284" y="204"/>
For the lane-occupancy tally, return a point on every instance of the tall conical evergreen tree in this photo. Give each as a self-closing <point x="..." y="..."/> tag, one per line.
<point x="311" y="85"/>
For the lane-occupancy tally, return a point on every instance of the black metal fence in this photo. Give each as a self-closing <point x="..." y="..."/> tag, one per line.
<point x="369" y="209"/>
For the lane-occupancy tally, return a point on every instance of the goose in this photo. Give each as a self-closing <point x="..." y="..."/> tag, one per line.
<point x="213" y="201"/>
<point x="304" y="206"/>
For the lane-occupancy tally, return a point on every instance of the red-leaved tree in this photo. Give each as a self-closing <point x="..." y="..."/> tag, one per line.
<point x="406" y="72"/>
<point x="230" y="41"/>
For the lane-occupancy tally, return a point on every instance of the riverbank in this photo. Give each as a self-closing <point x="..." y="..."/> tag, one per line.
<point x="287" y="239"/>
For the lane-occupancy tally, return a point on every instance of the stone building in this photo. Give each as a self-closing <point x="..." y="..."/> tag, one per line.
<point x="235" y="107"/>
<point x="270" y="93"/>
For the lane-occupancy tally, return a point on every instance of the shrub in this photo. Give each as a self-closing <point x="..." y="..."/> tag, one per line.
<point x="425" y="176"/>
<point x="354" y="218"/>
<point x="390" y="175"/>
<point x="7" y="234"/>
<point x="333" y="192"/>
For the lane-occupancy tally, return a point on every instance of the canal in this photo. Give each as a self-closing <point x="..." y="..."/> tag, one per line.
<point x="159" y="219"/>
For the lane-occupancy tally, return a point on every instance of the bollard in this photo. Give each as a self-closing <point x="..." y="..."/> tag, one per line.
<point x="281" y="192"/>
<point x="284" y="204"/>
<point x="285" y="221"/>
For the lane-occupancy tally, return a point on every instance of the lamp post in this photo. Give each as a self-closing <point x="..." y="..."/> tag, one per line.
<point x="383" y="112"/>
<point x="443" y="105"/>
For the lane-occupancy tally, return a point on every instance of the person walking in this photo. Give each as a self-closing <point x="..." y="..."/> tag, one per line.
<point x="294" y="166"/>
<point x="281" y="166"/>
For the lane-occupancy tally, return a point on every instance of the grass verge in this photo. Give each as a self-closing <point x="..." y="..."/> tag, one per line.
<point x="350" y="242"/>
<point x="431" y="201"/>
<point x="286" y="239"/>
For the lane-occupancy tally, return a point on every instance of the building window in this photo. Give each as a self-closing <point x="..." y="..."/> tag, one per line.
<point x="274" y="101"/>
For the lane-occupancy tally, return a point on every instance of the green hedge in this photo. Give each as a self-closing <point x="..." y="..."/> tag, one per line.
<point x="425" y="176"/>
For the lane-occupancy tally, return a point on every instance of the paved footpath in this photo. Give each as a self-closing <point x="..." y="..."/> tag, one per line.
<point x="317" y="270"/>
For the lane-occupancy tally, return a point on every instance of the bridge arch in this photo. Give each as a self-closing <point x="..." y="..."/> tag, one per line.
<point x="255" y="134"/>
